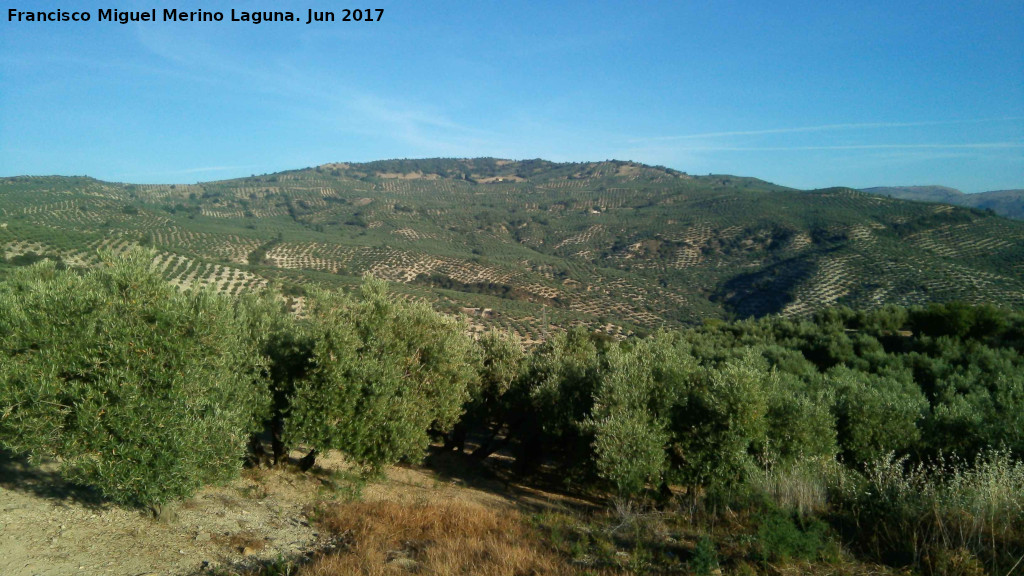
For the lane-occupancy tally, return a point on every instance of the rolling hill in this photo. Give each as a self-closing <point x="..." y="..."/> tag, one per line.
<point x="532" y="245"/>
<point x="1008" y="203"/>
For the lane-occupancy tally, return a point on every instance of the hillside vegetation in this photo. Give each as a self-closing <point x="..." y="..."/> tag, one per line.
<point x="891" y="436"/>
<point x="532" y="246"/>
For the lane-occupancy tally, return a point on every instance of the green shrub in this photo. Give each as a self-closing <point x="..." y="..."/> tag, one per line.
<point x="548" y="404"/>
<point x="143" y="392"/>
<point x="501" y="363"/>
<point x="383" y="373"/>
<point x="629" y="450"/>
<point x="782" y="536"/>
<point x="705" y="557"/>
<point x="658" y="415"/>
<point x="629" y="417"/>
<point x="800" y="423"/>
<point x="979" y="406"/>
<point x="719" y="417"/>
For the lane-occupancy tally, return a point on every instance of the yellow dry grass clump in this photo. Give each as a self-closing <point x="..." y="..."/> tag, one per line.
<point x="433" y="538"/>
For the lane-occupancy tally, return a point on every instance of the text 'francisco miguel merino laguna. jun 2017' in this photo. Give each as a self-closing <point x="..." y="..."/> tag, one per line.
<point x="173" y="15"/>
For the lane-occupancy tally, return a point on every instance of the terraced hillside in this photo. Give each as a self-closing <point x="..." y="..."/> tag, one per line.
<point x="532" y="245"/>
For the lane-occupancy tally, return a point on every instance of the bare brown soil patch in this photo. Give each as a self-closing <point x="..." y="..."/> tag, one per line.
<point x="495" y="179"/>
<point x="49" y="527"/>
<point x="408" y="175"/>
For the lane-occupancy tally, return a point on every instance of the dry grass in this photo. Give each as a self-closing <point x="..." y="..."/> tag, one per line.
<point x="433" y="538"/>
<point x="801" y="487"/>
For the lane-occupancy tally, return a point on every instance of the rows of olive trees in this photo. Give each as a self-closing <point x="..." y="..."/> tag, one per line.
<point x="906" y="427"/>
<point x="648" y="413"/>
<point x="146" y="393"/>
<point x="710" y="406"/>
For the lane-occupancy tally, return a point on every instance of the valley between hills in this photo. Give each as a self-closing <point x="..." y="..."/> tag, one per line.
<point x="532" y="246"/>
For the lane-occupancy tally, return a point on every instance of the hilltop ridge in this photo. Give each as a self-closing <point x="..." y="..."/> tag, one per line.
<point x="533" y="245"/>
<point x="1008" y="203"/>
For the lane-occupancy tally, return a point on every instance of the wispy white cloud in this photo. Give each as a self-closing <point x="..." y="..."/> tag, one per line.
<point x="157" y="173"/>
<point x="320" y="100"/>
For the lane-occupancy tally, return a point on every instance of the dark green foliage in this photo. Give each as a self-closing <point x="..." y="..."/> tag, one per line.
<point x="502" y="361"/>
<point x="978" y="404"/>
<point x="258" y="257"/>
<point x="293" y="290"/>
<point x="552" y="398"/>
<point x="287" y="351"/>
<point x="875" y="415"/>
<point x="782" y="536"/>
<point x="705" y="558"/>
<point x="800" y="422"/>
<point x="719" y="421"/>
<point x="30" y="258"/>
<point x="143" y="392"/>
<point x="890" y="388"/>
<point x="383" y="373"/>
<point x="660" y="413"/>
<point x="632" y="412"/>
<point x="709" y="406"/>
<point x="492" y="288"/>
<point x="959" y="320"/>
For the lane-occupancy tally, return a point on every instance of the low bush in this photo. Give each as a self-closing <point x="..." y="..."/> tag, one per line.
<point x="784" y="537"/>
<point x="705" y="557"/>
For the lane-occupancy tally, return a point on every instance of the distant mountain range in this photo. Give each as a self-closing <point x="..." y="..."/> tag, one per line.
<point x="534" y="246"/>
<point x="1009" y="203"/>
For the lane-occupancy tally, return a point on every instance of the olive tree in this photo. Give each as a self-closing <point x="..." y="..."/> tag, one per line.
<point x="501" y="363"/>
<point x="660" y="415"/>
<point x="143" y="392"/>
<point x="875" y="413"/>
<point x="632" y="411"/>
<point x="382" y="374"/>
<point x="719" y="419"/>
<point x="554" y="394"/>
<point x="286" y="348"/>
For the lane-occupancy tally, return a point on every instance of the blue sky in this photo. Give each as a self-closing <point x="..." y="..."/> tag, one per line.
<point x="805" y="94"/>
